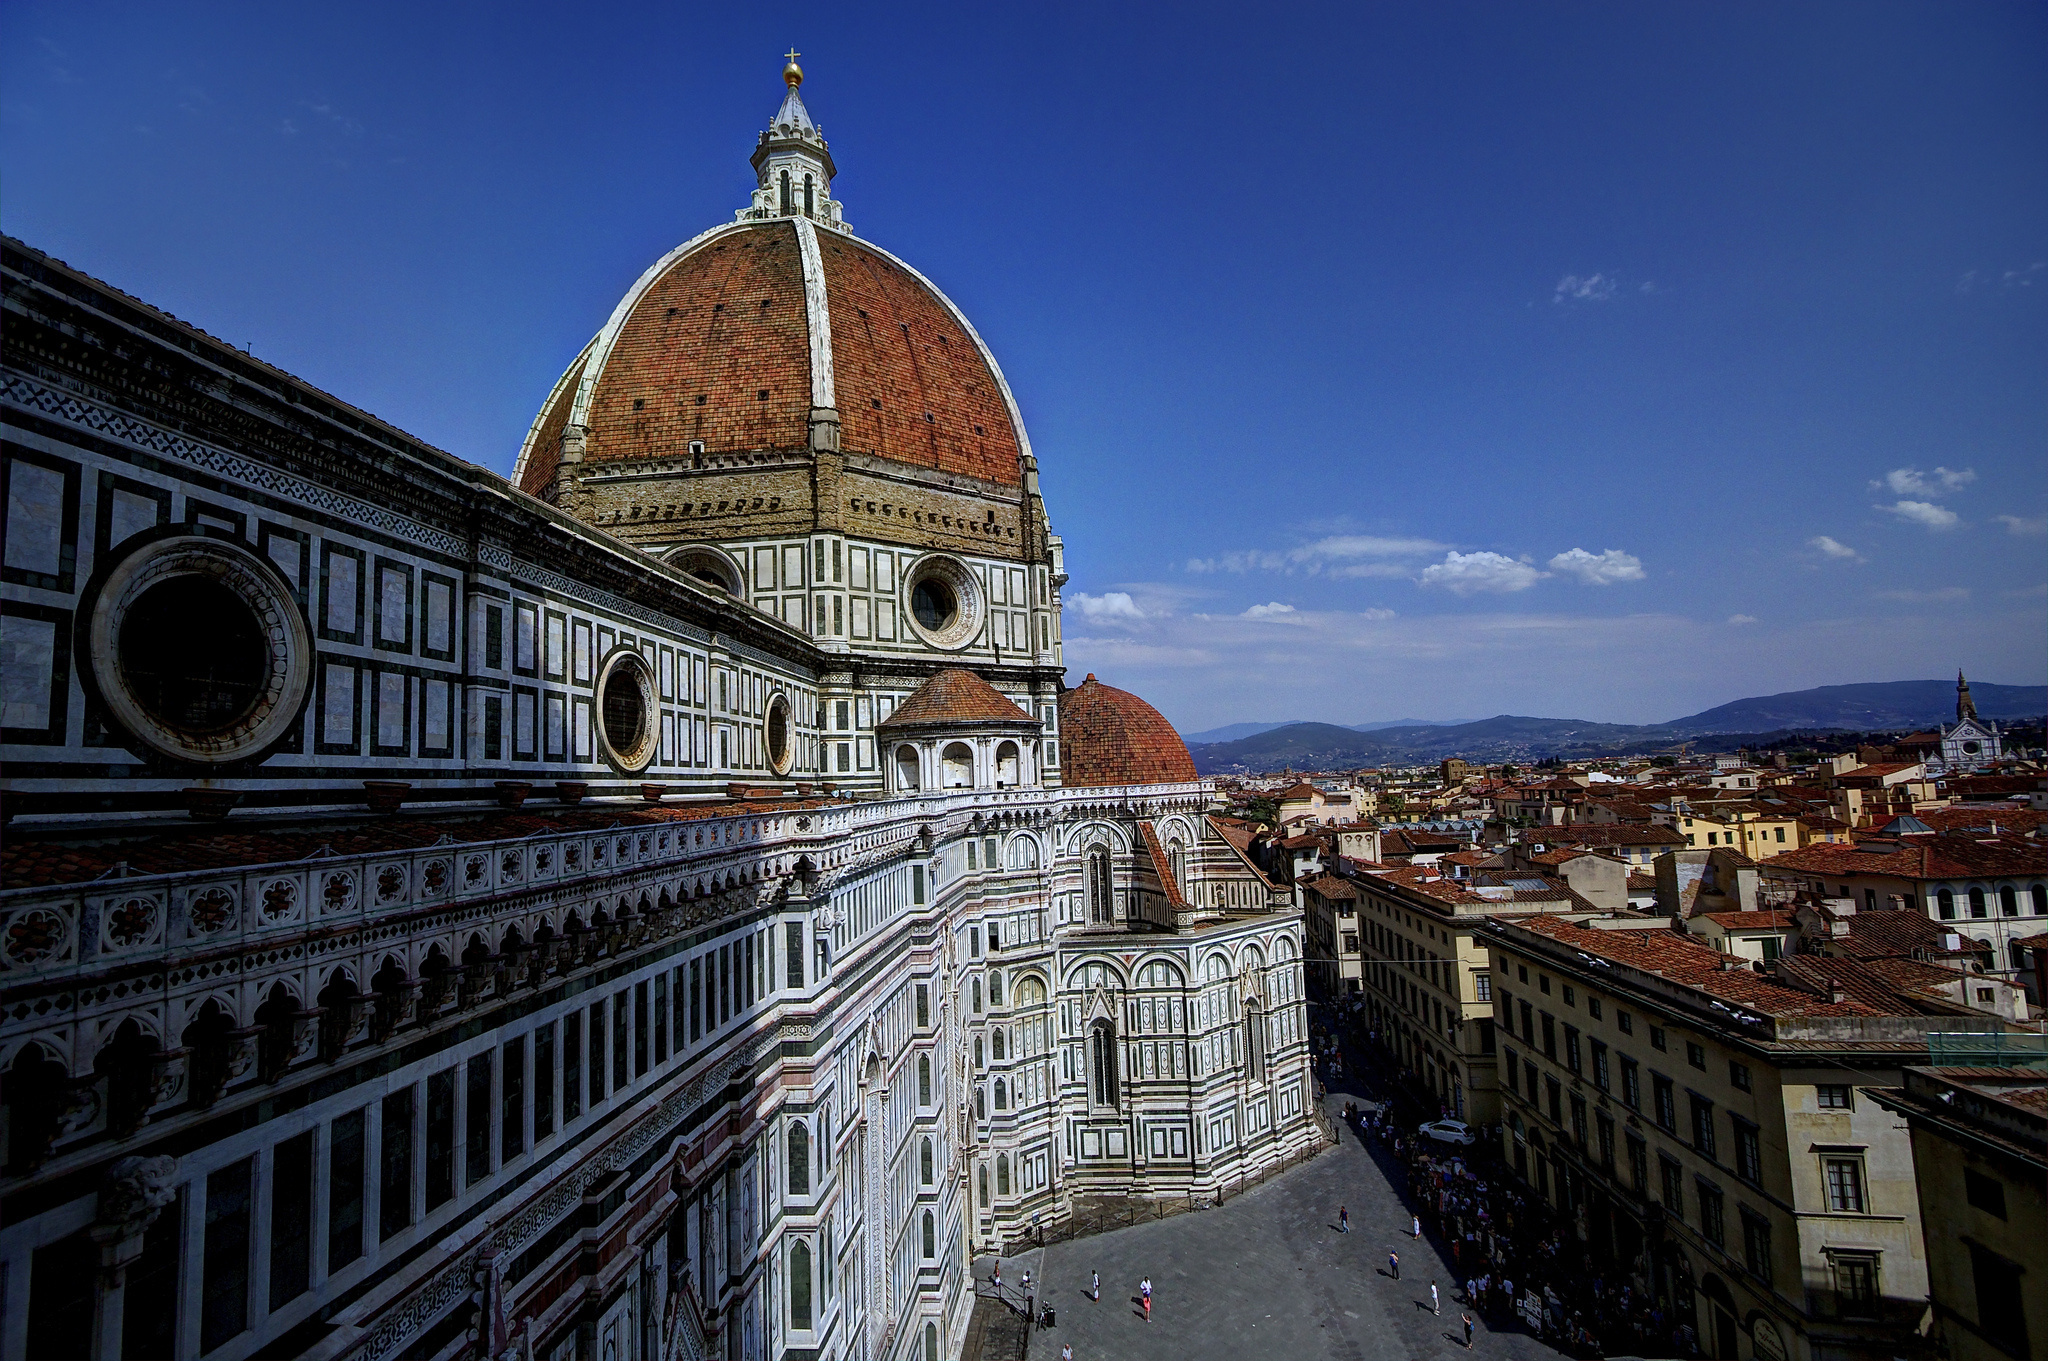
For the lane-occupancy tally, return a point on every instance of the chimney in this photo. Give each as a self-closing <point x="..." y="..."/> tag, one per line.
<point x="1836" y="992"/>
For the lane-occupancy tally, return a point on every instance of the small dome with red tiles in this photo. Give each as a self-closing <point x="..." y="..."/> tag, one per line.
<point x="952" y="698"/>
<point x="1111" y="737"/>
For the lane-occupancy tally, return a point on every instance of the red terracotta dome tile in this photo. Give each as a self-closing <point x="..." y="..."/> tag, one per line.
<point x="1111" y="737"/>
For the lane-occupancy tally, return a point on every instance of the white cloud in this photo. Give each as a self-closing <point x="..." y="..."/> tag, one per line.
<point x="1272" y="611"/>
<point x="1923" y="513"/>
<point x="1598" y="569"/>
<point x="1464" y="573"/>
<point x="2027" y="593"/>
<point x="2022" y="278"/>
<point x="1587" y="288"/>
<point x="1927" y="597"/>
<point x="1834" y="548"/>
<point x="1914" y="482"/>
<point x="1742" y="619"/>
<point x="1108" y="605"/>
<point x="1337" y="555"/>
<point x="2029" y="526"/>
<point x="1376" y="613"/>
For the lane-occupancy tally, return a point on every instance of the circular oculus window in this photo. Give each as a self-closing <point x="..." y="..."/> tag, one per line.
<point x="781" y="750"/>
<point x="944" y="602"/>
<point x="199" y="650"/>
<point x="627" y="728"/>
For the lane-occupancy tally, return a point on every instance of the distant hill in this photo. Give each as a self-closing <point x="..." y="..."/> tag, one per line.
<point x="1876" y="707"/>
<point x="1311" y="746"/>
<point x="1883" y="704"/>
<point x="1233" y="732"/>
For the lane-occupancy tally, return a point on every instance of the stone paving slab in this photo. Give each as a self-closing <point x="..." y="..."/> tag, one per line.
<point x="1265" y="1275"/>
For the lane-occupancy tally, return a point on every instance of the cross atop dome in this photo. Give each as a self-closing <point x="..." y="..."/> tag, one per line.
<point x="792" y="164"/>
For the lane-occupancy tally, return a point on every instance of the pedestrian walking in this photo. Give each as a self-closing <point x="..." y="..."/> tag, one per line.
<point x="1343" y="1220"/>
<point x="996" y="1277"/>
<point x="1025" y="1284"/>
<point x="1417" y="1229"/>
<point x="1394" y="1265"/>
<point x="1468" y="1331"/>
<point x="1436" y="1305"/>
<point x="1095" y="1286"/>
<point x="1067" y="1352"/>
<point x="1145" y="1291"/>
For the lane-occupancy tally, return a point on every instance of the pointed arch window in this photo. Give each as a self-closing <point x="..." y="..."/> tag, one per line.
<point x="785" y="194"/>
<point x="1102" y="1063"/>
<point x="799" y="1159"/>
<point x="931" y="1237"/>
<point x="1099" y="902"/>
<point x="809" y="210"/>
<point x="1002" y="1174"/>
<point x="924" y="1080"/>
<point x="1255" y="1041"/>
<point x="800" y="1285"/>
<point x="924" y="1162"/>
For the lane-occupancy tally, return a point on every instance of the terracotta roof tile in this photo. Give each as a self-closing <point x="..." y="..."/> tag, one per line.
<point x="954" y="696"/>
<point x="1162" y="867"/>
<point x="1111" y="737"/>
<point x="1750" y="921"/>
<point x="1684" y="959"/>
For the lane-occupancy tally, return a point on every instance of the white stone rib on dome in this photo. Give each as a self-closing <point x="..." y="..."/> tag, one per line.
<point x="987" y="357"/>
<point x="540" y="418"/>
<point x="601" y="348"/>
<point x="818" y="322"/>
<point x="817" y="313"/>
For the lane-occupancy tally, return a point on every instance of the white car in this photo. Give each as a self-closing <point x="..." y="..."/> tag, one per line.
<point x="1449" y="1131"/>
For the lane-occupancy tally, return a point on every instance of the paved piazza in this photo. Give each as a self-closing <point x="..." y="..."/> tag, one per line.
<point x="1265" y="1275"/>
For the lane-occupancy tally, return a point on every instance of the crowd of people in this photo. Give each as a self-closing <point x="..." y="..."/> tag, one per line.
<point x="1512" y="1258"/>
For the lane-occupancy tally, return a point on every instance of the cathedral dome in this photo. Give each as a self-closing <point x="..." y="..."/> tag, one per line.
<point x="1111" y="737"/>
<point x="778" y="335"/>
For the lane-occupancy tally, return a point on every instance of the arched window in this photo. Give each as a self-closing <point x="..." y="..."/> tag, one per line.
<point x="799" y="1159"/>
<point x="974" y="989"/>
<point x="1023" y="853"/>
<point x="981" y="1103"/>
<point x="809" y="202"/>
<point x="785" y="194"/>
<point x="2008" y="900"/>
<point x="995" y="1043"/>
<point x="1099" y="901"/>
<point x="924" y="1162"/>
<point x="979" y="1062"/>
<point x="800" y="1285"/>
<point x="1002" y="1095"/>
<point x="2040" y="896"/>
<point x="924" y="1079"/>
<point x="958" y="765"/>
<point x="1002" y="1174"/>
<point x="1102" y="1063"/>
<point x="931" y="1342"/>
<point x="1255" y="1042"/>
<point x="983" y="1179"/>
<point x="1945" y="904"/>
<point x="1976" y="901"/>
<point x="1030" y="992"/>
<point x="995" y="985"/>
<point x="1006" y="766"/>
<point x="1176" y="863"/>
<point x="931" y="1237"/>
<point x="906" y="768"/>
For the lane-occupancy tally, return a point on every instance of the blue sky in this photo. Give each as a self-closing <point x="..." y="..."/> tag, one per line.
<point x="1607" y="361"/>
